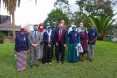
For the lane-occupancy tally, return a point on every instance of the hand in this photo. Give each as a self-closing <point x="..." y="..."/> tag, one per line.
<point x="37" y="45"/>
<point x="92" y="40"/>
<point x="65" y="45"/>
<point x="89" y="41"/>
<point x="34" y="45"/>
<point x="56" y="44"/>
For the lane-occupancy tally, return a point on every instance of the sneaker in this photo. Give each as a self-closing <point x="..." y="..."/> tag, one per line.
<point x="31" y="66"/>
<point x="90" y="60"/>
<point x="50" y="63"/>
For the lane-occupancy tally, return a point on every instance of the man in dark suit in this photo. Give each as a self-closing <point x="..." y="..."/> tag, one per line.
<point x="54" y="27"/>
<point x="60" y="39"/>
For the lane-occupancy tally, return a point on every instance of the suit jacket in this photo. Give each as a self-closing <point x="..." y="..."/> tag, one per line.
<point x="46" y="37"/>
<point x="32" y="38"/>
<point x="64" y="36"/>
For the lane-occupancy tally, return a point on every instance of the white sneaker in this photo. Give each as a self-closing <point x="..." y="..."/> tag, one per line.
<point x="50" y="63"/>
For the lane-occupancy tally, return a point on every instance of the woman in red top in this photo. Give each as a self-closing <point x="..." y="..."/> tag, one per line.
<point x="41" y="30"/>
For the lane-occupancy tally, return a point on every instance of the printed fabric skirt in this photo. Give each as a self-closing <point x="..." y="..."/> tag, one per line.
<point x="21" y="60"/>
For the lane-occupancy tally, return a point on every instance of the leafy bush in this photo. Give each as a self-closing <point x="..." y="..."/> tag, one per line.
<point x="1" y="37"/>
<point x="57" y="15"/>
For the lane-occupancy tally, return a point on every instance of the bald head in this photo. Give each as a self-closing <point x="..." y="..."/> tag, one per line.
<point x="60" y="25"/>
<point x="81" y="23"/>
<point x="62" y="21"/>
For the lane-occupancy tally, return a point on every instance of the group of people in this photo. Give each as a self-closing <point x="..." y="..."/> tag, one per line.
<point x="45" y="41"/>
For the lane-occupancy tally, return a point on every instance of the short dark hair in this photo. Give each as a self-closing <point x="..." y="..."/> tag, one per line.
<point x="35" y="25"/>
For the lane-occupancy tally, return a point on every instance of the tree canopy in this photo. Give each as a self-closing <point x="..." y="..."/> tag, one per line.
<point x="56" y="15"/>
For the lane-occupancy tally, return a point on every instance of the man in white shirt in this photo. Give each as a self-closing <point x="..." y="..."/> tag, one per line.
<point x="72" y="25"/>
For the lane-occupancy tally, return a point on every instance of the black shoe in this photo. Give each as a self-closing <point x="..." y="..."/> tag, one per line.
<point x="62" y="62"/>
<point x="36" y="65"/>
<point x="90" y="60"/>
<point x="31" y="66"/>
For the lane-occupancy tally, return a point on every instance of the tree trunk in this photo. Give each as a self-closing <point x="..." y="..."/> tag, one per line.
<point x="13" y="25"/>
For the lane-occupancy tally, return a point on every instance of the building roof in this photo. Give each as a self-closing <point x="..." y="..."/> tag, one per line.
<point x="8" y="27"/>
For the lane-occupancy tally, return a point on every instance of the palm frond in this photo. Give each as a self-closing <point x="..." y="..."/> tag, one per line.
<point x="95" y="22"/>
<point x="103" y="23"/>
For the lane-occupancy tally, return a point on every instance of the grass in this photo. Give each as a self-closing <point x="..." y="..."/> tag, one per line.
<point x="104" y="65"/>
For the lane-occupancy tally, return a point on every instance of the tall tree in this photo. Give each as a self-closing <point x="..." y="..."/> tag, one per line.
<point x="95" y="7"/>
<point x="64" y="5"/>
<point x="92" y="8"/>
<point x="11" y="7"/>
<point x="56" y="15"/>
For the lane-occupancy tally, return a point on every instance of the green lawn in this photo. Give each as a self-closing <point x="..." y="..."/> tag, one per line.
<point x="104" y="65"/>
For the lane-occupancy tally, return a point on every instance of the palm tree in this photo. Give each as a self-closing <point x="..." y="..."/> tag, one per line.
<point x="103" y="23"/>
<point x="11" y="7"/>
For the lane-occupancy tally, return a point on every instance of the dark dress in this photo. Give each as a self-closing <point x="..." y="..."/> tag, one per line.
<point x="84" y="38"/>
<point x="73" y="40"/>
<point x="47" y="51"/>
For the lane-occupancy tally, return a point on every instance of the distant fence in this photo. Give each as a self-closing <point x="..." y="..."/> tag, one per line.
<point x="6" y="39"/>
<point x="112" y="38"/>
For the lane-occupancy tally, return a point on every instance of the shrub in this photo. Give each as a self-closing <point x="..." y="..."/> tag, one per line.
<point x="1" y="37"/>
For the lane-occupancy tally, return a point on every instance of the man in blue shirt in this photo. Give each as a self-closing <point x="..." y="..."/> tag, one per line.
<point x="92" y="37"/>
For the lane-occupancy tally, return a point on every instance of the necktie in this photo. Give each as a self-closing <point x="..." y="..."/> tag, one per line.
<point x="60" y="35"/>
<point x="35" y="35"/>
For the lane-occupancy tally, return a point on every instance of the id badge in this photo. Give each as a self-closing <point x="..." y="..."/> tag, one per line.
<point x="75" y="34"/>
<point x="24" y="39"/>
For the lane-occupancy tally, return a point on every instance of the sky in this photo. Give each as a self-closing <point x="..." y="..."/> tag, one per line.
<point x="29" y="13"/>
